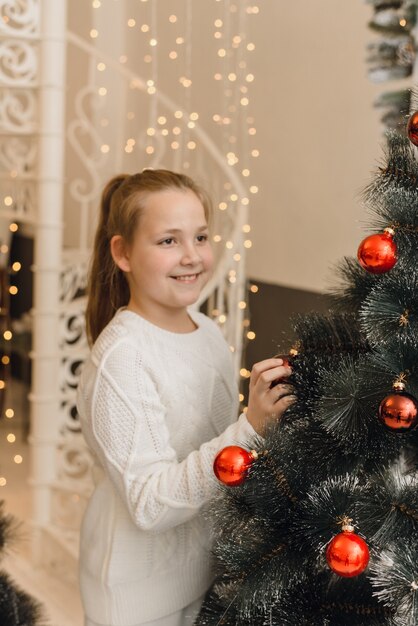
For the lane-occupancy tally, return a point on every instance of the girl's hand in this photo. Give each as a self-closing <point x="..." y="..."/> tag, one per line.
<point x="266" y="403"/>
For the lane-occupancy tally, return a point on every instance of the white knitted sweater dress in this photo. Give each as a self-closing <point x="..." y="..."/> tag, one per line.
<point x="155" y="408"/>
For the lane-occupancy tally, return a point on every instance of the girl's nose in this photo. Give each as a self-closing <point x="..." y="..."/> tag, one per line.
<point x="190" y="256"/>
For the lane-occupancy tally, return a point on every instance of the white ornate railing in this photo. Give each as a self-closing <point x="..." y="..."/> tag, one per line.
<point x="19" y="36"/>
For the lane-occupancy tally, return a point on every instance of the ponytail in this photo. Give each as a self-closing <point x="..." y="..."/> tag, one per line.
<point x="107" y="287"/>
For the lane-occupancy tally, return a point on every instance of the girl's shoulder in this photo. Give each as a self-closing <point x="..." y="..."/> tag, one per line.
<point x="113" y="334"/>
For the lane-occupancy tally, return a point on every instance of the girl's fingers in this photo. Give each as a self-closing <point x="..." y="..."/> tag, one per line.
<point x="280" y="391"/>
<point x="259" y="369"/>
<point x="266" y="377"/>
<point x="263" y="366"/>
<point x="282" y="404"/>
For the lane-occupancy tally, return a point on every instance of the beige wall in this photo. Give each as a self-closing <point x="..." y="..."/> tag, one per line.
<point x="319" y="135"/>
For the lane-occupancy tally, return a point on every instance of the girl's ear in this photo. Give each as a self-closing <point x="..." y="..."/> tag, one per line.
<point x="119" y="253"/>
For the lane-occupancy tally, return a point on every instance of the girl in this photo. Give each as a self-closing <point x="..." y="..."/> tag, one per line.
<point x="157" y="401"/>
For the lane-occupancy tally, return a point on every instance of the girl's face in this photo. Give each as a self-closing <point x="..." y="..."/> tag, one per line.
<point x="170" y="259"/>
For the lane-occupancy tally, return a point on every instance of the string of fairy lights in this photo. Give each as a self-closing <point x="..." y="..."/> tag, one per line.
<point x="8" y="289"/>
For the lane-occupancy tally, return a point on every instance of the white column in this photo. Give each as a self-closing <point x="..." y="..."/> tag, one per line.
<point x="44" y="394"/>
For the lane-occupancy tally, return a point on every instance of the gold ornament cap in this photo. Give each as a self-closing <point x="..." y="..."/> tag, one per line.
<point x="346" y="524"/>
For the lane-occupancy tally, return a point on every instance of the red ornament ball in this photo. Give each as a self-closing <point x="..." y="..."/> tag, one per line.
<point x="347" y="554"/>
<point x="412" y="128"/>
<point x="377" y="253"/>
<point x="231" y="465"/>
<point x="399" y="412"/>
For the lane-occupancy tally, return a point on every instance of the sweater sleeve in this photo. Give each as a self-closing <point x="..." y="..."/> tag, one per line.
<point x="128" y="432"/>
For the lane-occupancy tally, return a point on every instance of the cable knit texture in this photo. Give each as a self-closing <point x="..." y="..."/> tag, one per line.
<point x="155" y="408"/>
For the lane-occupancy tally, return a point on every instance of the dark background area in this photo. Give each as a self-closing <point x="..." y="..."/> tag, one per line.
<point x="270" y="312"/>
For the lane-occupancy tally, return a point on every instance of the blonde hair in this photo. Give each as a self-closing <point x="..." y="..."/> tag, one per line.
<point x="122" y="202"/>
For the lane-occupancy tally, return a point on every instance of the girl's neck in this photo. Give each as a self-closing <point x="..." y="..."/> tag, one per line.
<point x="175" y="322"/>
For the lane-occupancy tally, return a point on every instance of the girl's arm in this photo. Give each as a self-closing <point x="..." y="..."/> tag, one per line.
<point x="123" y="420"/>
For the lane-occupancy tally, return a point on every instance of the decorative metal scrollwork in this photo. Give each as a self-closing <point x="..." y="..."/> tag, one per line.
<point x="80" y="130"/>
<point x="17" y="111"/>
<point x="18" y="63"/>
<point x="19" y="17"/>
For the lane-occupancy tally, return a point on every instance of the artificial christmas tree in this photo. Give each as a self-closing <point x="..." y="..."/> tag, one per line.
<point x="321" y="528"/>
<point x="17" y="608"/>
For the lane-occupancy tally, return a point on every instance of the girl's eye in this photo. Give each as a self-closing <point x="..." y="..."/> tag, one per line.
<point x="167" y="241"/>
<point x="202" y="238"/>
